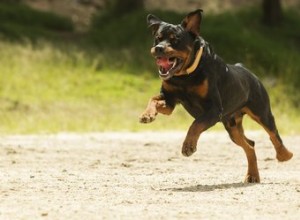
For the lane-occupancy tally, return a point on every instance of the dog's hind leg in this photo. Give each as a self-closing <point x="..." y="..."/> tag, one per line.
<point x="267" y="121"/>
<point x="282" y="153"/>
<point x="236" y="133"/>
<point x="232" y="122"/>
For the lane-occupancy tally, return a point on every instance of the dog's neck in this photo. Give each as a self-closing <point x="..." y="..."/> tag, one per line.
<point x="196" y="62"/>
<point x="199" y="44"/>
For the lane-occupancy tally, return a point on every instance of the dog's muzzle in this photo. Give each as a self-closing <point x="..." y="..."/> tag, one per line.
<point x="168" y="64"/>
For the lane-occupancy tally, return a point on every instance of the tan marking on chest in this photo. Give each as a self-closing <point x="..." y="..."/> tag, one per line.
<point x="201" y="90"/>
<point x="168" y="87"/>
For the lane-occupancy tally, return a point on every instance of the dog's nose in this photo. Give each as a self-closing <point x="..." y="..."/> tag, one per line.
<point x="159" y="48"/>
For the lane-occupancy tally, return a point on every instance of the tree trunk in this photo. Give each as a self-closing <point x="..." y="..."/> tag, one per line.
<point x="272" y="12"/>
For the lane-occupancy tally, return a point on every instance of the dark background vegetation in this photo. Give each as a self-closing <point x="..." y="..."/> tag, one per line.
<point x="265" y="37"/>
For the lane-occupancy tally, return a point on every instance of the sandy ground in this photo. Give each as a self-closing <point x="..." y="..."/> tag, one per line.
<point x="143" y="176"/>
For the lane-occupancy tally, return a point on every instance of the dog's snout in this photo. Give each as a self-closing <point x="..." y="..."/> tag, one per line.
<point x="159" y="48"/>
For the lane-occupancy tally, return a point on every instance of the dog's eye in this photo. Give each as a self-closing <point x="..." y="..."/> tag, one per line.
<point x="174" y="39"/>
<point x="158" y="37"/>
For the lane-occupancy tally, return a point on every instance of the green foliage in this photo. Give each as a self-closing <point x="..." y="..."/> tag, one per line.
<point x="129" y="30"/>
<point x="241" y="37"/>
<point x="19" y="21"/>
<point x="103" y="79"/>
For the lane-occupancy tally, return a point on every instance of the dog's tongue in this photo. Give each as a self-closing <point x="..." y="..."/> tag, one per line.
<point x="164" y="62"/>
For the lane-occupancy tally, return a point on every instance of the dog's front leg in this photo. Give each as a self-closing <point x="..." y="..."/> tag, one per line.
<point x="198" y="126"/>
<point x="157" y="104"/>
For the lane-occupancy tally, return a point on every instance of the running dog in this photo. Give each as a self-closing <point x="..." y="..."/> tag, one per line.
<point x="210" y="90"/>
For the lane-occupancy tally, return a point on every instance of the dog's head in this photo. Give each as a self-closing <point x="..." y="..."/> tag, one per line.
<point x="174" y="45"/>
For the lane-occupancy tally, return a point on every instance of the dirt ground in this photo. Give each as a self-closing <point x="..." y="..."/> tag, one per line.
<point x="143" y="176"/>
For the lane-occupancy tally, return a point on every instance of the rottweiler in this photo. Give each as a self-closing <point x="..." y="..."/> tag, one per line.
<point x="210" y="90"/>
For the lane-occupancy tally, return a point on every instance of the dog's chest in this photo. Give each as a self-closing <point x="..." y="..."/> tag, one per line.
<point x="194" y="98"/>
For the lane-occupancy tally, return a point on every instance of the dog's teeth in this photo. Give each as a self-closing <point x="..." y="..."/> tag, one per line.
<point x="174" y="64"/>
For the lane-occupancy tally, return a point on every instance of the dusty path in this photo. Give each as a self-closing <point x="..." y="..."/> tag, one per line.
<point x="143" y="176"/>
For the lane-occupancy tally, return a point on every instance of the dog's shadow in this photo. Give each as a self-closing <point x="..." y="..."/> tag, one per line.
<point x="207" y="188"/>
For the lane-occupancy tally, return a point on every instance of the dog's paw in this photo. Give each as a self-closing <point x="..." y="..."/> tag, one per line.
<point x="284" y="155"/>
<point x="188" y="148"/>
<point x="252" y="179"/>
<point x="147" y="117"/>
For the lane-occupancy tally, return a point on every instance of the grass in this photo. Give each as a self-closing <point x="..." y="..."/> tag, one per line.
<point x="45" y="90"/>
<point x="101" y="81"/>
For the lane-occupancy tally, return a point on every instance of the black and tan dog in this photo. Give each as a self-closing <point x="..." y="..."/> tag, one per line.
<point x="210" y="90"/>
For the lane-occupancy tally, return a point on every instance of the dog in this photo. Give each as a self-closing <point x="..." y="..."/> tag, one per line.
<point x="210" y="90"/>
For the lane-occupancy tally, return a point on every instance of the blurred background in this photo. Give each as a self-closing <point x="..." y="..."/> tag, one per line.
<point x="85" y="65"/>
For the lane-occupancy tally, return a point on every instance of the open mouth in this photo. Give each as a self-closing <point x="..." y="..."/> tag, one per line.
<point x="168" y="66"/>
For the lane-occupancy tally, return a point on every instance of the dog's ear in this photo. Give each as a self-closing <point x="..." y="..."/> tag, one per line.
<point x="153" y="23"/>
<point x="192" y="21"/>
